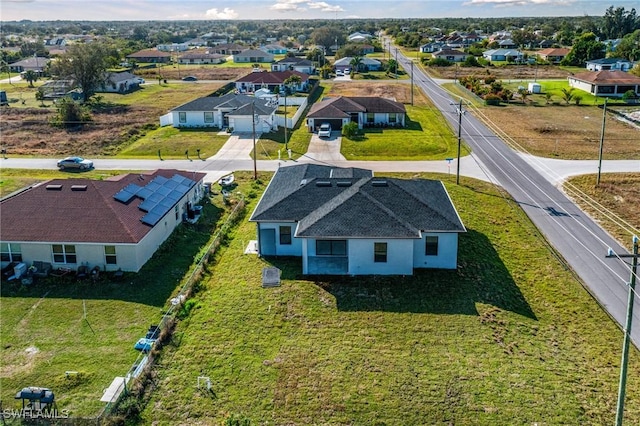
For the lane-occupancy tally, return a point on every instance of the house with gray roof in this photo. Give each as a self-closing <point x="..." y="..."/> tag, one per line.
<point x="367" y="111"/>
<point x="609" y="64"/>
<point x="367" y="64"/>
<point x="503" y="55"/>
<point x="252" y="56"/>
<point x="293" y="63"/>
<point x="119" y="82"/>
<point x="345" y="221"/>
<point x="233" y="110"/>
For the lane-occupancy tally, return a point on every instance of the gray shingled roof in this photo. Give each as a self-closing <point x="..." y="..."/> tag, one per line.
<point x="342" y="106"/>
<point x="230" y="100"/>
<point x="351" y="203"/>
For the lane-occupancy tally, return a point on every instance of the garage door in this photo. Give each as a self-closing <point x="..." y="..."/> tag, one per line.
<point x="336" y="123"/>
<point x="241" y="124"/>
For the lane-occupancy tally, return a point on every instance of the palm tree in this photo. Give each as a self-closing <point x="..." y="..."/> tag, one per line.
<point x="567" y="95"/>
<point x="293" y="80"/>
<point x="524" y="93"/>
<point x="30" y="76"/>
<point x="356" y="63"/>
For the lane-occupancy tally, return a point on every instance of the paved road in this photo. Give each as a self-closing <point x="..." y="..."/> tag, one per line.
<point x="574" y="235"/>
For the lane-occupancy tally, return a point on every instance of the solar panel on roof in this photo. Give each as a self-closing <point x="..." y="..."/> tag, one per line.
<point x="144" y="193"/>
<point x="151" y="219"/>
<point x="174" y="196"/>
<point x="127" y="193"/>
<point x="164" y="190"/>
<point x="147" y="205"/>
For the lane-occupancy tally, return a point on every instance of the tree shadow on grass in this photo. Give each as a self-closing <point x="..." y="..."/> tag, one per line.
<point x="481" y="278"/>
<point x="152" y="286"/>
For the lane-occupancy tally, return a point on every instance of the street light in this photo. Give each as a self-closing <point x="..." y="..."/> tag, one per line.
<point x="253" y="126"/>
<point x="627" y="330"/>
<point x="460" y="113"/>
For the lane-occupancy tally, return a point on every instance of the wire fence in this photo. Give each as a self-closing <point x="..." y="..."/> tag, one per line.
<point x="145" y="360"/>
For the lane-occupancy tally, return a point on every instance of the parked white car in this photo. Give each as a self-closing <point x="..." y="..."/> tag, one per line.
<point x="325" y="130"/>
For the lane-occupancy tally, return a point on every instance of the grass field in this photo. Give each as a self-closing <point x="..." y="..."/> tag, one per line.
<point x="44" y="331"/>
<point x="509" y="338"/>
<point x="173" y="143"/>
<point x="618" y="193"/>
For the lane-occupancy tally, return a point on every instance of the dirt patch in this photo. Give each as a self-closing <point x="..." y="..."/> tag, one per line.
<point x="202" y="73"/>
<point x="509" y="72"/>
<point x="399" y="92"/>
<point x="27" y="131"/>
<point x="566" y="131"/>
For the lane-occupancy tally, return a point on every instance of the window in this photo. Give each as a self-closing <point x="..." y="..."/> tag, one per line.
<point x="380" y="252"/>
<point x="285" y="235"/>
<point x="110" y="255"/>
<point x="208" y="117"/>
<point x="431" y="248"/>
<point x="182" y="117"/>
<point x="370" y="117"/>
<point x="176" y="209"/>
<point x="64" y="253"/>
<point x="392" y="117"/>
<point x="10" y="252"/>
<point x="331" y="247"/>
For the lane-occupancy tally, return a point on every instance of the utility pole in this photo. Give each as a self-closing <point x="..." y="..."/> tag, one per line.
<point x="460" y="112"/>
<point x="412" y="83"/>
<point x="396" y="63"/>
<point x="286" y="143"/>
<point x="253" y="125"/>
<point x="604" y="117"/>
<point x="627" y="330"/>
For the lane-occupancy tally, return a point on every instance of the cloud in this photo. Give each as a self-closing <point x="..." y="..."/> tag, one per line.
<point x="325" y="7"/>
<point x="302" y="5"/>
<point x="226" y="13"/>
<point x="288" y="6"/>
<point x="518" y="2"/>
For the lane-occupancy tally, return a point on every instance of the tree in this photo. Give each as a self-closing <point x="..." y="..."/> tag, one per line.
<point x="86" y="64"/>
<point x="618" y="22"/>
<point x="327" y="36"/>
<point x="567" y="95"/>
<point x="524" y="94"/>
<point x="70" y="114"/>
<point x="471" y="61"/>
<point x="585" y="48"/>
<point x="290" y="82"/>
<point x="30" y="76"/>
<point x="356" y="63"/>
<point x="629" y="47"/>
<point x="350" y="130"/>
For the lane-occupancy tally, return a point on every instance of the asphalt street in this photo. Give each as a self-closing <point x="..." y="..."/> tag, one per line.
<point x="581" y="242"/>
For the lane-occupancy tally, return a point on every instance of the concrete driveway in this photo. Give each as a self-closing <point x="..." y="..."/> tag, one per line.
<point x="325" y="149"/>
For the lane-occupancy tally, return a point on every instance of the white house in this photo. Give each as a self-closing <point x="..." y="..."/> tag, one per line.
<point x="119" y="82"/>
<point x="368" y="64"/>
<point x="366" y="111"/>
<point x="271" y="80"/>
<point x="252" y="56"/>
<point x="200" y="57"/>
<point x="293" y="63"/>
<point x="345" y="221"/>
<point x="451" y="55"/>
<point x="232" y="110"/>
<point x="115" y="223"/>
<point x="605" y="83"/>
<point x="609" y="64"/>
<point x="503" y="55"/>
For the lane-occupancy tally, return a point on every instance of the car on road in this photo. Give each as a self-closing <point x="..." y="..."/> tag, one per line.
<point x="190" y="78"/>
<point x="339" y="73"/>
<point x="325" y="130"/>
<point x="78" y="163"/>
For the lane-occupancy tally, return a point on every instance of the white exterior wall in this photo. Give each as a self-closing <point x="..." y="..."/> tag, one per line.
<point x="195" y="119"/>
<point x="361" y="257"/>
<point x="447" y="257"/>
<point x="293" y="249"/>
<point x="581" y="85"/>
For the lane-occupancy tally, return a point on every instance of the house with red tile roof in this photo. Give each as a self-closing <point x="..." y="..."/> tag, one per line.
<point x="270" y="80"/>
<point x="605" y="83"/>
<point x="115" y="223"/>
<point x="553" y="55"/>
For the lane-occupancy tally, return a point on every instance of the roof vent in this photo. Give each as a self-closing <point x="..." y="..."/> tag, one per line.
<point x="379" y="183"/>
<point x="78" y="187"/>
<point x="54" y="187"/>
<point x="323" y="183"/>
<point x="344" y="183"/>
<point x="303" y="182"/>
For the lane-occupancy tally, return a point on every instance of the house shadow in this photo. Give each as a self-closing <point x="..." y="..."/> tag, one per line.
<point x="480" y="278"/>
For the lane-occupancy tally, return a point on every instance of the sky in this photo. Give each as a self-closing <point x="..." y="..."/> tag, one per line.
<point x="173" y="10"/>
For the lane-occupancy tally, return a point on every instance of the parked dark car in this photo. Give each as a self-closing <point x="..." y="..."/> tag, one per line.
<point x="78" y="163"/>
<point x="190" y="78"/>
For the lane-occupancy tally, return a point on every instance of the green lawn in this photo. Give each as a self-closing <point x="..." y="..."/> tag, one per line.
<point x="172" y="143"/>
<point x="509" y="338"/>
<point x="426" y="137"/>
<point x="45" y="334"/>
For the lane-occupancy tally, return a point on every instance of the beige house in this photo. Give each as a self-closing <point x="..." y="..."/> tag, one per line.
<point x="605" y="83"/>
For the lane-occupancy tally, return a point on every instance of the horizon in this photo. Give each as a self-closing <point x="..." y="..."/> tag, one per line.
<point x="243" y="10"/>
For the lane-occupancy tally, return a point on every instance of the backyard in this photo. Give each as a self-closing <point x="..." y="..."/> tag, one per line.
<point x="510" y="337"/>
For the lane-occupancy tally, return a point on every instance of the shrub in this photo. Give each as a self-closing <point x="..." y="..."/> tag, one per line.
<point x="439" y="62"/>
<point x="492" y="99"/>
<point x="350" y="130"/>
